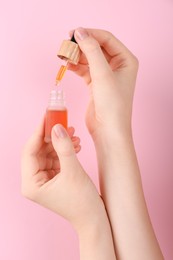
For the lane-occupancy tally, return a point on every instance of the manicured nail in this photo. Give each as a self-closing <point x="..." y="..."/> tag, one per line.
<point x="60" y="131"/>
<point x="81" y="33"/>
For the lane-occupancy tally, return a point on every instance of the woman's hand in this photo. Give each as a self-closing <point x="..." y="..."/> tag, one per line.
<point x="110" y="70"/>
<point x="53" y="177"/>
<point x="111" y="77"/>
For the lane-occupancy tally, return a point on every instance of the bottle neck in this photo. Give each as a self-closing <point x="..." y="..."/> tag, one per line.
<point x="56" y="99"/>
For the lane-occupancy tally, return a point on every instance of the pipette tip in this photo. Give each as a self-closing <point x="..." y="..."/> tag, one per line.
<point x="57" y="83"/>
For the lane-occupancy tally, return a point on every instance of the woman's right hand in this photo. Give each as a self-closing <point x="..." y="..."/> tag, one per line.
<point x="110" y="70"/>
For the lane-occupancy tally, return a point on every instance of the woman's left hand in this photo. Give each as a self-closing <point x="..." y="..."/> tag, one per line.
<point x="53" y="177"/>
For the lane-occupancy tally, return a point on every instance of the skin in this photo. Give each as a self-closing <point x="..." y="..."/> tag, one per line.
<point x="110" y="69"/>
<point x="53" y="177"/>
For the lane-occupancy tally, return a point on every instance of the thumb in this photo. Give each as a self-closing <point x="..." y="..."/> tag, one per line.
<point x="64" y="148"/>
<point x="99" y="67"/>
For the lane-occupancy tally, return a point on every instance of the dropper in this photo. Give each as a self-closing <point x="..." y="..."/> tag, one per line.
<point x="61" y="73"/>
<point x="70" y="52"/>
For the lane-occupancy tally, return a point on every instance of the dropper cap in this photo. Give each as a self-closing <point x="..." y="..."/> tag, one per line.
<point x="69" y="51"/>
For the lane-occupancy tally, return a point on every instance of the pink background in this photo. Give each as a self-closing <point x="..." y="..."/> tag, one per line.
<point x="31" y="33"/>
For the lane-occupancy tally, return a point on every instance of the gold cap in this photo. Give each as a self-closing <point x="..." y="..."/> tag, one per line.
<point x="69" y="51"/>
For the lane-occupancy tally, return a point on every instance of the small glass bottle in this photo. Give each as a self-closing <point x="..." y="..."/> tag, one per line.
<point x="56" y="113"/>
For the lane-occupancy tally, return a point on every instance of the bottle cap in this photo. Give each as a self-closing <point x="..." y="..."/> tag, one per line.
<point x="69" y="51"/>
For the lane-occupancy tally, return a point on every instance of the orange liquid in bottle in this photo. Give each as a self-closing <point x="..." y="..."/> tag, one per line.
<point x="54" y="117"/>
<point x="60" y="74"/>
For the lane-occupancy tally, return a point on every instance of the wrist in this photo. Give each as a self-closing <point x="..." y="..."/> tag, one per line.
<point x="95" y="238"/>
<point x="112" y="146"/>
<point x="112" y="136"/>
<point x="92" y="220"/>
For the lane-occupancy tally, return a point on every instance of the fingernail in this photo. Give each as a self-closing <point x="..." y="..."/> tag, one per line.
<point x="60" y="131"/>
<point x="81" y="33"/>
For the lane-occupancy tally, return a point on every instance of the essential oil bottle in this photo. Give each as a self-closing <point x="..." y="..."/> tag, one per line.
<point x="56" y="113"/>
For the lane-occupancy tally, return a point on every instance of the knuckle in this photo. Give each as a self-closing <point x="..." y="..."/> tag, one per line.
<point x="109" y="35"/>
<point x="92" y="45"/>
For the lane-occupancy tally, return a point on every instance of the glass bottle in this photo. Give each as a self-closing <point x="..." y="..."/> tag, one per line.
<point x="56" y="113"/>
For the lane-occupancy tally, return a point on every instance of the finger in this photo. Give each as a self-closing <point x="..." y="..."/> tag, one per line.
<point x="81" y="70"/>
<point x="51" y="151"/>
<point x="99" y="67"/>
<point x="77" y="149"/>
<point x="64" y="149"/>
<point x="83" y="59"/>
<point x="46" y="148"/>
<point x="70" y="131"/>
<point x="109" y="42"/>
<point x="75" y="141"/>
<point x="53" y="155"/>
